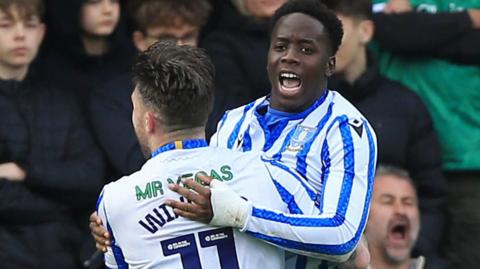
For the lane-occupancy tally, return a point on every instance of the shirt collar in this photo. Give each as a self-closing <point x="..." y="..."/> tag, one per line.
<point x="181" y="144"/>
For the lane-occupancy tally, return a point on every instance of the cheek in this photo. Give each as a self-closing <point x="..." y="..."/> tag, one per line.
<point x="378" y="218"/>
<point x="116" y="12"/>
<point x="88" y="18"/>
<point x="415" y="220"/>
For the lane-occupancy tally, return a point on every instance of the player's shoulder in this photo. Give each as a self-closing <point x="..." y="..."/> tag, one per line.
<point x="344" y="112"/>
<point x="121" y="188"/>
<point x="240" y="111"/>
<point x="237" y="157"/>
<point x="342" y="107"/>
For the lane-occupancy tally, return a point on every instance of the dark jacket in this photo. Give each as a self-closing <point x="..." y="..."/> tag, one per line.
<point x="446" y="35"/>
<point x="239" y="49"/>
<point x="406" y="139"/>
<point x="64" y="54"/>
<point x="43" y="131"/>
<point x="110" y="112"/>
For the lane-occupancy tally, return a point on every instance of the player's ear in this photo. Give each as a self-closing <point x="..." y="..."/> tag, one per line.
<point x="150" y="122"/>
<point x="332" y="60"/>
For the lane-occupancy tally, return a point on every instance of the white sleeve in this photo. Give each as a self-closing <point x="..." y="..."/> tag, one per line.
<point x="327" y="225"/>
<point x="113" y="257"/>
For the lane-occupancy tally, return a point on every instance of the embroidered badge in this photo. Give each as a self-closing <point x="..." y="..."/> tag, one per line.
<point x="301" y="136"/>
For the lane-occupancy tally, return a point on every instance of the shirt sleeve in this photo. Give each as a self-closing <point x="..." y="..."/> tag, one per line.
<point x="113" y="257"/>
<point x="326" y="224"/>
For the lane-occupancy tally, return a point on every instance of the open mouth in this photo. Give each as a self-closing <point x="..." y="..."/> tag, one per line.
<point x="289" y="80"/>
<point x="398" y="231"/>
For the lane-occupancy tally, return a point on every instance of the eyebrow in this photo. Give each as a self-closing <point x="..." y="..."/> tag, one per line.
<point x="303" y="40"/>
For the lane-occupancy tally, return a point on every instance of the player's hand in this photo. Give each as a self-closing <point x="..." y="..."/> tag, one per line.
<point x="100" y="235"/>
<point x="11" y="171"/>
<point x="200" y="208"/>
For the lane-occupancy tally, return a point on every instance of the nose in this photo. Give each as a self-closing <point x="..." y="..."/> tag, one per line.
<point x="289" y="56"/>
<point x="399" y="208"/>
<point x="19" y="30"/>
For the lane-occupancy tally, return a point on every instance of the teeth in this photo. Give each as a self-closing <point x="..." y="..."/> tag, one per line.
<point x="288" y="75"/>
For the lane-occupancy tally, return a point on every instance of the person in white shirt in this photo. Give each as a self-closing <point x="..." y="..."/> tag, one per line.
<point x="308" y="128"/>
<point x="146" y="232"/>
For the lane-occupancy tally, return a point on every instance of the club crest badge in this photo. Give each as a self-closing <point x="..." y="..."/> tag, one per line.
<point x="300" y="137"/>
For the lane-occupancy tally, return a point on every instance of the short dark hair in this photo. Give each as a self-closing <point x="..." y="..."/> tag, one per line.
<point x="352" y="8"/>
<point x="177" y="82"/>
<point x="26" y="8"/>
<point x="166" y="13"/>
<point x="317" y="10"/>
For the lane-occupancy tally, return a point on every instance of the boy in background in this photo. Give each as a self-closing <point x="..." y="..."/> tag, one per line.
<point x="50" y="168"/>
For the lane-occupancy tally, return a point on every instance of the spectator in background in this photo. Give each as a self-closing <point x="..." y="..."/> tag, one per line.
<point x="404" y="129"/>
<point x="423" y="34"/>
<point x="87" y="44"/>
<point x="110" y="106"/>
<point x="238" y="48"/>
<point x="50" y="169"/>
<point x="450" y="90"/>
<point x="394" y="221"/>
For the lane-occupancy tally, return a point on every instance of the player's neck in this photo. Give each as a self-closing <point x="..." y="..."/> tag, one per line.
<point x="176" y="135"/>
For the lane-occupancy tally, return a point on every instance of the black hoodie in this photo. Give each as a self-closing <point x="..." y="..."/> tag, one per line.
<point x="65" y="59"/>
<point x="239" y="49"/>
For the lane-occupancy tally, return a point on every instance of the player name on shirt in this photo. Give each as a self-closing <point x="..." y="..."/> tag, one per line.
<point x="158" y="217"/>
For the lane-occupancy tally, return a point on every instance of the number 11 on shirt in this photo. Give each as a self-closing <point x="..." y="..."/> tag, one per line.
<point x="186" y="246"/>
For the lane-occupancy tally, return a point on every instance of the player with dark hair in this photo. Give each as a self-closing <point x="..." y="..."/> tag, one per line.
<point x="169" y="78"/>
<point x="307" y="127"/>
<point x="110" y="105"/>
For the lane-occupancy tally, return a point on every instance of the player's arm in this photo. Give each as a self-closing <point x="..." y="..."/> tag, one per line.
<point x="348" y="155"/>
<point x="330" y="229"/>
<point x="113" y="255"/>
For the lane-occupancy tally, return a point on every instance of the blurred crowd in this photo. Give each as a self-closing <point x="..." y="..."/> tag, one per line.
<point x="411" y="67"/>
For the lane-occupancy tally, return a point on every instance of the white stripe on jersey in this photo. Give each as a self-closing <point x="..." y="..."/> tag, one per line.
<point x="332" y="146"/>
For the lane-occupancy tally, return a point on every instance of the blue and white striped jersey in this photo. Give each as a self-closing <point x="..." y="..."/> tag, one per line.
<point x="330" y="144"/>
<point x="147" y="234"/>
